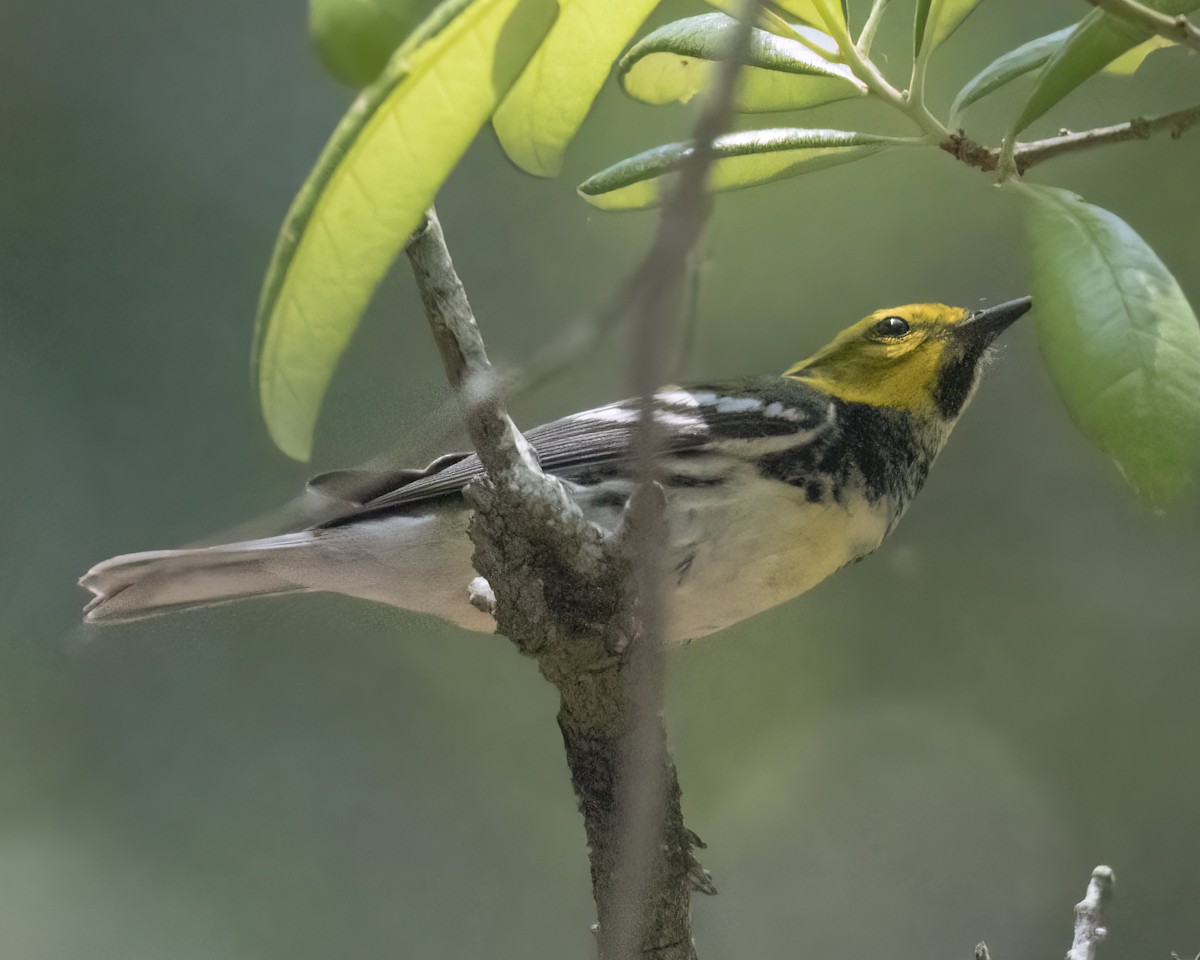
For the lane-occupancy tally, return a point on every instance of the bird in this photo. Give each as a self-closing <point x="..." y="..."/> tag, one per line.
<point x="772" y="483"/>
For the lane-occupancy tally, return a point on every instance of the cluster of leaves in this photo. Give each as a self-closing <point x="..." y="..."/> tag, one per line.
<point x="1120" y="340"/>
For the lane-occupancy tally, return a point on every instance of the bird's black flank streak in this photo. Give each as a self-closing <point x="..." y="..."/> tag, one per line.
<point x="875" y="449"/>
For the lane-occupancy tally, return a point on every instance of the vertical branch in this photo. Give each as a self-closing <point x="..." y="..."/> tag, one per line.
<point x="649" y="795"/>
<point x="590" y="608"/>
<point x="555" y="585"/>
<point x="499" y="444"/>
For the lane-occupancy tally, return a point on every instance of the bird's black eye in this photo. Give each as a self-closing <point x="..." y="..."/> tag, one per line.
<point x="891" y="327"/>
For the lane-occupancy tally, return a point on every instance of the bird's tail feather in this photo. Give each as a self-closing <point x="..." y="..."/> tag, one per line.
<point x="139" y="585"/>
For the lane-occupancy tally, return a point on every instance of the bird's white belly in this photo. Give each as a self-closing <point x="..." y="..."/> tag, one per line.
<point x="730" y="557"/>
<point x="752" y="560"/>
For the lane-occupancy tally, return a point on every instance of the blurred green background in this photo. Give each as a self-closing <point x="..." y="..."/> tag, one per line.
<point x="932" y="748"/>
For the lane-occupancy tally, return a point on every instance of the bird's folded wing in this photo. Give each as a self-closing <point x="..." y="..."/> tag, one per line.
<point x="691" y="419"/>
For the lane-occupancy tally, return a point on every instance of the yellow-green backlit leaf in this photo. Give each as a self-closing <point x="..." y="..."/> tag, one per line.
<point x="807" y="11"/>
<point x="1119" y="338"/>
<point x="743" y="159"/>
<point x="546" y="106"/>
<point x="1129" y="63"/>
<point x="768" y="19"/>
<point x="936" y="19"/>
<point x="674" y="62"/>
<point x="380" y="170"/>
<point x="1006" y="68"/>
<point x="1096" y="41"/>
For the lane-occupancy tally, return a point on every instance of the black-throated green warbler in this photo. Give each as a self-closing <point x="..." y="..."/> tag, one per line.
<point x="773" y="483"/>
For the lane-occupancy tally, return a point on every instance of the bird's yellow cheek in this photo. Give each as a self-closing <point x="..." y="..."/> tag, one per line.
<point x="904" y="382"/>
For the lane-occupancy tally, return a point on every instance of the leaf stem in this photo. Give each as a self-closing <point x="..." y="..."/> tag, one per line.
<point x="916" y="83"/>
<point x="864" y="68"/>
<point x="1177" y="29"/>
<point x="867" y="36"/>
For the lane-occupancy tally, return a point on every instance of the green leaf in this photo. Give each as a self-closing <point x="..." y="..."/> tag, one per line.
<point x="937" y="19"/>
<point x="1004" y="69"/>
<point x="548" y="103"/>
<point x="674" y="63"/>
<point x="743" y="159"/>
<point x="380" y="170"/>
<point x="1096" y="41"/>
<point x="1119" y="338"/>
<point x="768" y="19"/>
<point x="355" y="38"/>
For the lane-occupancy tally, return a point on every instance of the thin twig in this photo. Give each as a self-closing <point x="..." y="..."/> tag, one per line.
<point x="577" y="339"/>
<point x="1030" y="154"/>
<point x="511" y="464"/>
<point x="1089" y="920"/>
<point x="1139" y="128"/>
<point x="554" y="581"/>
<point x="655" y="314"/>
<point x="693" y="286"/>
<point x="498" y="442"/>
<point x="1178" y="29"/>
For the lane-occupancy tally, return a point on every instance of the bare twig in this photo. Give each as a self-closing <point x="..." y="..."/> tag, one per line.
<point x="657" y="294"/>
<point x="1178" y="29"/>
<point x="1027" y="155"/>
<point x="577" y="340"/>
<point x="1140" y="128"/>
<point x="500" y="445"/>
<point x="1089" y="921"/>
<point x="692" y="295"/>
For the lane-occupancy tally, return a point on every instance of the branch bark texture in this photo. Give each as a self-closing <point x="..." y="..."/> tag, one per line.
<point x="588" y="605"/>
<point x="562" y="594"/>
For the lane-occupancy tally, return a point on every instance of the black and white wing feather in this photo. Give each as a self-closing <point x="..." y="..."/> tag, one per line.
<point x="732" y="418"/>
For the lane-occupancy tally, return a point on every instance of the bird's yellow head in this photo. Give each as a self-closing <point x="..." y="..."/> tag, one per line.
<point x="923" y="358"/>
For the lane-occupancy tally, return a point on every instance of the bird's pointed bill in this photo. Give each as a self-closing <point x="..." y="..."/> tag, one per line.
<point x="993" y="321"/>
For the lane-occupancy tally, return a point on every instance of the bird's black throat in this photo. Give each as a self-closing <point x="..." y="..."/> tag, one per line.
<point x="879" y="450"/>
